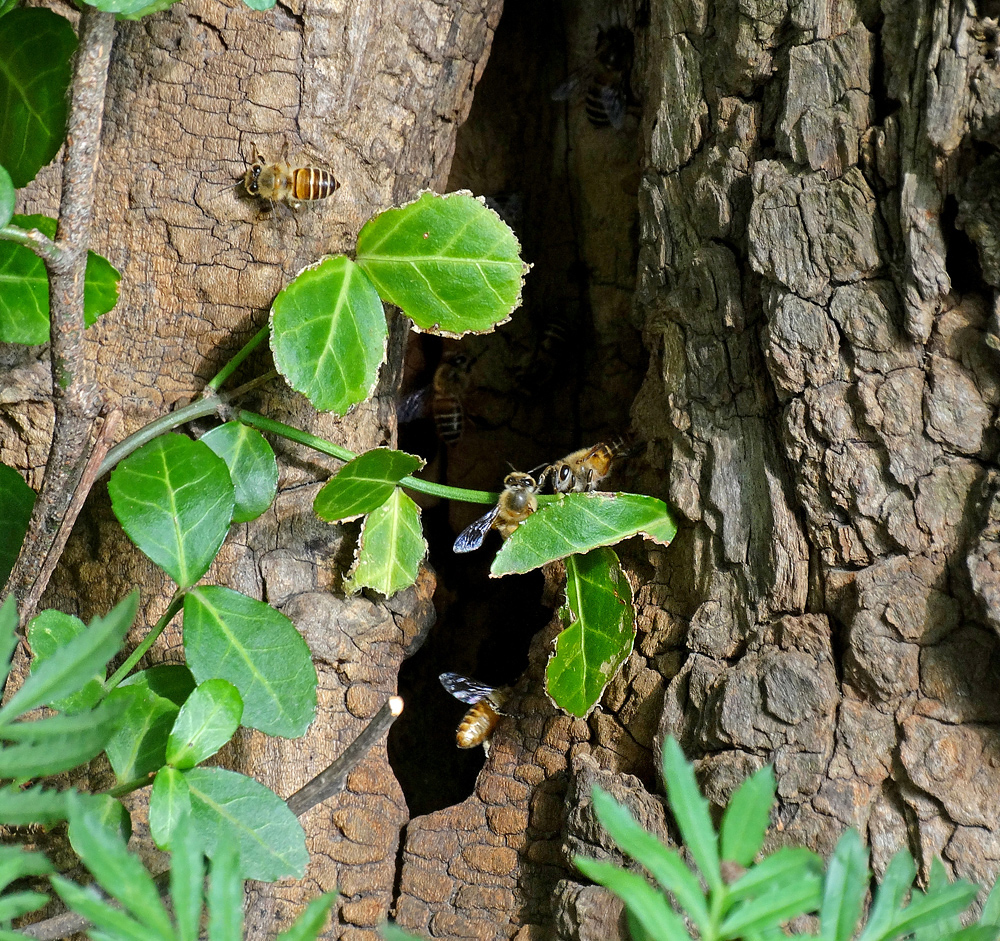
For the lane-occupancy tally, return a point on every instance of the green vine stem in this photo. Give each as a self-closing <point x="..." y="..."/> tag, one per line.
<point x="223" y="374"/>
<point x="148" y="641"/>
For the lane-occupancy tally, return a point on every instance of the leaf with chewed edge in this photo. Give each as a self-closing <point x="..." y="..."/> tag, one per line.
<point x="600" y="633"/>
<point x="364" y="484"/>
<point x="392" y="547"/>
<point x="580" y="522"/>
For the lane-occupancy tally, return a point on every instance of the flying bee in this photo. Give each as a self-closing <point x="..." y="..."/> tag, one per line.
<point x="487" y="705"/>
<point x="442" y="399"/>
<point x="605" y="79"/>
<point x="516" y="504"/>
<point x="582" y="470"/>
<point x="281" y="182"/>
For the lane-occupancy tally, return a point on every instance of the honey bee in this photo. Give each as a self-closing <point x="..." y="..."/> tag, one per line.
<point x="516" y="504"/>
<point x="442" y="399"/>
<point x="487" y="705"/>
<point x="281" y="182"/>
<point x="582" y="470"/>
<point x="605" y="80"/>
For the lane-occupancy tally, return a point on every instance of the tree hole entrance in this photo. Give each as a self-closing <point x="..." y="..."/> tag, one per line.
<point x="553" y="143"/>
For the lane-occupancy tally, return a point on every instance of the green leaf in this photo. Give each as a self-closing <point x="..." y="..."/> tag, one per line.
<point x="225" y="895"/>
<point x="121" y="874"/>
<point x="17" y="863"/>
<point x="663" y="863"/>
<point x="231" y="809"/>
<point x="394" y="933"/>
<point x="973" y="933"/>
<point x="131" y="9"/>
<point x="844" y="888"/>
<point x="896" y="882"/>
<point x="252" y="467"/>
<point x="579" y="522"/>
<point x="745" y="821"/>
<point x="169" y="801"/>
<point x="56" y="743"/>
<point x="116" y="924"/>
<point x="784" y="865"/>
<point x="8" y="634"/>
<point x="364" y="484"/>
<point x="206" y="722"/>
<point x="72" y="666"/>
<point x="311" y="921"/>
<point x="600" y="633"/>
<point x="256" y="648"/>
<point x="259" y="4"/>
<point x="643" y="901"/>
<point x="17" y="500"/>
<point x="33" y="805"/>
<point x="991" y="909"/>
<point x="328" y="334"/>
<point x="690" y="810"/>
<point x="151" y="699"/>
<point x="451" y="264"/>
<point x="7" y="197"/>
<point x="392" y="547"/>
<point x="24" y="287"/>
<point x="47" y="633"/>
<point x="187" y="876"/>
<point x="174" y="499"/>
<point x="925" y="910"/>
<point x="36" y="65"/>
<point x="773" y="908"/>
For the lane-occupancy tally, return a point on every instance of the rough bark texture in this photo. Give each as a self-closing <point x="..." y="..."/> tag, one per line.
<point x="375" y="91"/>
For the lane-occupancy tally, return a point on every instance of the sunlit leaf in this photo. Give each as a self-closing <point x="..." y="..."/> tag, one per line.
<point x="47" y="633"/>
<point x="174" y="499"/>
<point x="206" y="722"/>
<point x="258" y="650"/>
<point x="600" y="633"/>
<point x="451" y="264"/>
<point x="774" y="908"/>
<point x="227" y="807"/>
<point x="364" y="484"/>
<point x="311" y="921"/>
<point x="844" y="888"/>
<point x="252" y="467"/>
<point x="224" y="897"/>
<point x="745" y="820"/>
<point x="36" y="53"/>
<point x="578" y="523"/>
<point x="32" y="805"/>
<point x="259" y="4"/>
<point x="16" y="862"/>
<point x="328" y="334"/>
<point x="392" y="547"/>
<point x="7" y="197"/>
<point x="17" y="500"/>
<point x="169" y="801"/>
<point x="131" y="9"/>
<point x="24" y="287"/>
<point x="187" y="876"/>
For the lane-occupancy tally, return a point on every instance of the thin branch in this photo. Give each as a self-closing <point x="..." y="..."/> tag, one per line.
<point x="37" y="241"/>
<point x="74" y="392"/>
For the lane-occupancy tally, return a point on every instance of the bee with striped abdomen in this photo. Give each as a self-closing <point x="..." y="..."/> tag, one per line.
<point x="487" y="705"/>
<point x="604" y="82"/>
<point x="281" y="182"/>
<point x="516" y="504"/>
<point x="581" y="471"/>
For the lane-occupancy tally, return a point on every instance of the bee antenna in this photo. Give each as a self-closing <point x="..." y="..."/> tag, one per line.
<point x="535" y="470"/>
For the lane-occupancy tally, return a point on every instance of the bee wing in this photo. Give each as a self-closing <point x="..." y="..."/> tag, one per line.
<point x="465" y="688"/>
<point x="569" y="88"/>
<point x="473" y="535"/>
<point x="613" y="100"/>
<point x="414" y="405"/>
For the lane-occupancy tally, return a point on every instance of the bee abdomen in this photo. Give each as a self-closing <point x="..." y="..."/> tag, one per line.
<point x="477" y="725"/>
<point x="597" y="113"/>
<point x="449" y="418"/>
<point x="310" y="183"/>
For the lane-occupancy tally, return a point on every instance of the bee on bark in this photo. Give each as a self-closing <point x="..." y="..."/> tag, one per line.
<point x="516" y="504"/>
<point x="282" y="182"/>
<point x="442" y="399"/>
<point x="604" y="82"/>
<point x="583" y="470"/>
<point x="487" y="705"/>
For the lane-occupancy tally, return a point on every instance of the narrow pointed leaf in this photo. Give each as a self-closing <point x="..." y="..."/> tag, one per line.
<point x="169" y="802"/>
<point x="256" y="648"/>
<point x="773" y="908"/>
<point x="252" y="467"/>
<point x="17" y="862"/>
<point x="844" y="888"/>
<point x="36" y="53"/>
<point x="364" y="484"/>
<point x="578" y="523"/>
<point x="451" y="264"/>
<point x="17" y="500"/>
<point x="230" y="808"/>
<point x="896" y="882"/>
<point x="690" y="810"/>
<point x="7" y="197"/>
<point x="174" y="499"/>
<point x="187" y="877"/>
<point x="8" y="634"/>
<point x="745" y="821"/>
<point x="15" y="904"/>
<point x="929" y="909"/>
<point x="72" y="666"/>
<point x="206" y="722"/>
<point x="310" y="923"/>
<point x="225" y="895"/>
<point x="33" y="805"/>
<point x="647" y="904"/>
<point x="991" y="909"/>
<point x="328" y="334"/>
<point x="599" y="635"/>
<point x="663" y="863"/>
<point x="394" y="933"/>
<point x="121" y="874"/>
<point x="47" y="633"/>
<point x="784" y="865"/>
<point x="392" y="547"/>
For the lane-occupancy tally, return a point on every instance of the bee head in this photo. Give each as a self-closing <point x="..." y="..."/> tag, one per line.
<point x="251" y="179"/>
<point x="518" y="480"/>
<point x="564" y="478"/>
